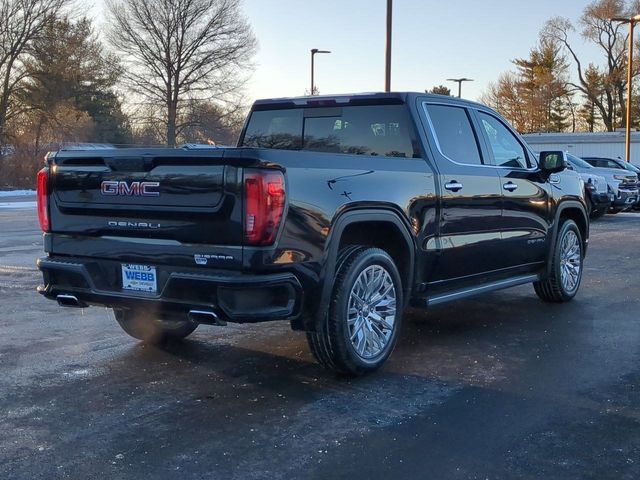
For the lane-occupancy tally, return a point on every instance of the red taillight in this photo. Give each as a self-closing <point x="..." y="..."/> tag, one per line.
<point x="264" y="197"/>
<point x="43" y="201"/>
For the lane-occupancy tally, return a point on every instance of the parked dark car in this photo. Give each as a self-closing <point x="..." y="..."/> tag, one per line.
<point x="333" y="213"/>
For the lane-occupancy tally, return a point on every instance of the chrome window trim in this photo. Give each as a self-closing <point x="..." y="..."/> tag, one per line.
<point x="524" y="146"/>
<point x="435" y="136"/>
<point x="425" y="103"/>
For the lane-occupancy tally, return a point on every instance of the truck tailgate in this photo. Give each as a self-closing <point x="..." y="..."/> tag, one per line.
<point x="185" y="197"/>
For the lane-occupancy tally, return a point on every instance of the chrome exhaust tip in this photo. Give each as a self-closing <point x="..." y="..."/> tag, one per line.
<point x="205" y="317"/>
<point x="70" y="301"/>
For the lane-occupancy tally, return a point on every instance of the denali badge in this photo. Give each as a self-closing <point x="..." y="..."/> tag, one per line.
<point x="130" y="189"/>
<point x="134" y="224"/>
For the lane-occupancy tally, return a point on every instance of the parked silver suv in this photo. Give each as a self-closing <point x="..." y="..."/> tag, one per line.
<point x="615" y="163"/>
<point x="596" y="194"/>
<point x="623" y="184"/>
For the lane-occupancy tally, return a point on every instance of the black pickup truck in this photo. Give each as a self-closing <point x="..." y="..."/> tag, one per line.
<point x="334" y="213"/>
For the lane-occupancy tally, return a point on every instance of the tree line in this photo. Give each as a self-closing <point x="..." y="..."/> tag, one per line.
<point x="555" y="90"/>
<point x="173" y="71"/>
<point x="165" y="72"/>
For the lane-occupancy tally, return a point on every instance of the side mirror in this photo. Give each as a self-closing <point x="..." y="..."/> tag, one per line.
<point x="552" y="162"/>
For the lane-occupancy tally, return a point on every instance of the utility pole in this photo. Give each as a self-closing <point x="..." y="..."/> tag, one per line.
<point x="627" y="141"/>
<point x="387" y="70"/>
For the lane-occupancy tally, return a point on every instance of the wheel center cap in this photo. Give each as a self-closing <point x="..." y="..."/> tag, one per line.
<point x="366" y="310"/>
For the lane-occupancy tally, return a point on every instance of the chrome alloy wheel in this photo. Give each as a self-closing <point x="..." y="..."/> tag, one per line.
<point x="371" y="312"/>
<point x="570" y="261"/>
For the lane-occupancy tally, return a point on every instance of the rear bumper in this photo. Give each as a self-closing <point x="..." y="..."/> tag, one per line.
<point x="232" y="296"/>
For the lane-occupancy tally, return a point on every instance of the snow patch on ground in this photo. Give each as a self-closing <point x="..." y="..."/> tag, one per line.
<point x="8" y="205"/>
<point x="16" y="193"/>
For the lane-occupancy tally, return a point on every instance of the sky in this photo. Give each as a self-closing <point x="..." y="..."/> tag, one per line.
<point x="432" y="40"/>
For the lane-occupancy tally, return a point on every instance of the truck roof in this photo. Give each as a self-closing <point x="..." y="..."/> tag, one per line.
<point x="353" y="99"/>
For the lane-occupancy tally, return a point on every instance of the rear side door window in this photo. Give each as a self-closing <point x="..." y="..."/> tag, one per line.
<point x="454" y="135"/>
<point x="507" y="150"/>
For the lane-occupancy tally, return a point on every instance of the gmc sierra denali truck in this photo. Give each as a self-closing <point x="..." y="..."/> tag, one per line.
<point x="333" y="213"/>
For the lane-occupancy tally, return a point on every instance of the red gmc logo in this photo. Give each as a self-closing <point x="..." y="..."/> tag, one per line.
<point x="130" y="189"/>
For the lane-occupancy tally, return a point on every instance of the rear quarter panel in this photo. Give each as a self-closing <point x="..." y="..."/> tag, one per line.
<point x="321" y="187"/>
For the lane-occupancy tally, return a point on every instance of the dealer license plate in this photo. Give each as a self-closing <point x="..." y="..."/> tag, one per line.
<point x="141" y="278"/>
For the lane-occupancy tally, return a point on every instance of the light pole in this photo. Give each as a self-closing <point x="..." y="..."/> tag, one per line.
<point x="313" y="52"/>
<point x="459" y="82"/>
<point x="387" y="61"/>
<point x="627" y="141"/>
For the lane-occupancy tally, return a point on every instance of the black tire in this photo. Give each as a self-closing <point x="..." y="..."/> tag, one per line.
<point x="152" y="328"/>
<point x="596" y="214"/>
<point x="553" y="288"/>
<point x="331" y="344"/>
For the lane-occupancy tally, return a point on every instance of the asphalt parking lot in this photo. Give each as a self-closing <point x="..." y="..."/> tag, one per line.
<point x="503" y="386"/>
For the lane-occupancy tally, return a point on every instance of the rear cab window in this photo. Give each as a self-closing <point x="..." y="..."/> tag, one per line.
<point x="374" y="130"/>
<point x="278" y="129"/>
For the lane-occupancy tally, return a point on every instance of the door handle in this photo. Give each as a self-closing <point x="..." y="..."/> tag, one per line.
<point x="453" y="185"/>
<point x="510" y="186"/>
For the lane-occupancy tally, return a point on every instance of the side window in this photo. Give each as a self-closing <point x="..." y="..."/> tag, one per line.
<point x="454" y="134"/>
<point x="612" y="164"/>
<point x="507" y="150"/>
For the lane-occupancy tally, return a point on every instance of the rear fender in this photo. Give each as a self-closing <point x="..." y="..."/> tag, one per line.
<point x="330" y="257"/>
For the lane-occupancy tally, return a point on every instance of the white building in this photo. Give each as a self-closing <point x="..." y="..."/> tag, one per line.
<point x="601" y="144"/>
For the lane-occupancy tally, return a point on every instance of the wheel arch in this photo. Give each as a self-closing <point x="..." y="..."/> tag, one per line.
<point x="569" y="210"/>
<point x="376" y="227"/>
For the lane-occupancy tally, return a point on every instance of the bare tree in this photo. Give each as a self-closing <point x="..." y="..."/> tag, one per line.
<point x="21" y="21"/>
<point x="612" y="39"/>
<point x="504" y="96"/>
<point x="176" y="51"/>
<point x="206" y="122"/>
